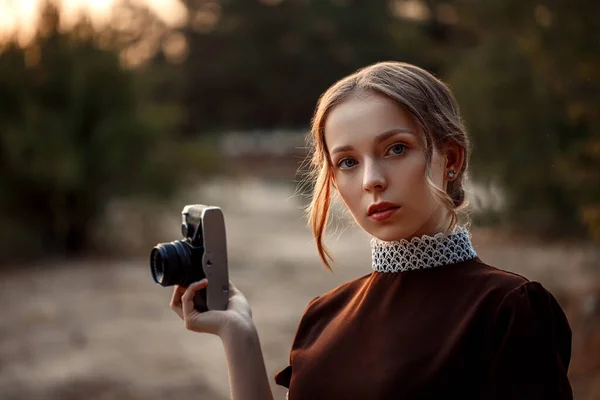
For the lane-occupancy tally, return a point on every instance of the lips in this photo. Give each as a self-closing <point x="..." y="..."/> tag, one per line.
<point x="380" y="207"/>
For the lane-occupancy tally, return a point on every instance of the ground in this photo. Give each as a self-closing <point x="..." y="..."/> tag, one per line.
<point x="101" y="328"/>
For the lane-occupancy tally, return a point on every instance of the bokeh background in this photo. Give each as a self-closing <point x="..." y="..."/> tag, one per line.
<point x="115" y="114"/>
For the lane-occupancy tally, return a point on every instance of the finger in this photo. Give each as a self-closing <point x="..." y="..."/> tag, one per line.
<point x="187" y="300"/>
<point x="178" y="292"/>
<point x="237" y="300"/>
<point x="233" y="290"/>
<point x="175" y="304"/>
<point x="235" y="294"/>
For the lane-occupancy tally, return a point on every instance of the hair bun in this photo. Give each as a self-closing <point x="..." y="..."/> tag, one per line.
<point x="458" y="196"/>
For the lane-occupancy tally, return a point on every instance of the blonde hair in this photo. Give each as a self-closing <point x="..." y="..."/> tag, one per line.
<point x="427" y="99"/>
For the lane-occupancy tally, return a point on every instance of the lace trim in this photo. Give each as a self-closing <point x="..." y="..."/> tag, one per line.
<point x="422" y="252"/>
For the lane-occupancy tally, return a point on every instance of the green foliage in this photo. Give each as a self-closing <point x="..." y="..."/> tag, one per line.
<point x="76" y="131"/>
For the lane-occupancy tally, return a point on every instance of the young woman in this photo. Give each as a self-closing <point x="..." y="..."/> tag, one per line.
<point x="432" y="320"/>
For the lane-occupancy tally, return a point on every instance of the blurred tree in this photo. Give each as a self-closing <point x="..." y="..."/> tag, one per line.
<point x="529" y="89"/>
<point x="263" y="64"/>
<point x="526" y="74"/>
<point x="76" y="130"/>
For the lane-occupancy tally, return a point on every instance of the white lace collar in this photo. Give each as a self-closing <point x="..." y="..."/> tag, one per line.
<point x="422" y="252"/>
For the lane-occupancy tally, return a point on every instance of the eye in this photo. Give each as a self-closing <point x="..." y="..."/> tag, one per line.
<point x="346" y="163"/>
<point x="396" y="149"/>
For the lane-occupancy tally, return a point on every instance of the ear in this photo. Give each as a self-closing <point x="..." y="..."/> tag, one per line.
<point x="455" y="159"/>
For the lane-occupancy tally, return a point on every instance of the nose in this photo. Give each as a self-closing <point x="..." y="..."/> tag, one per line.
<point x="374" y="177"/>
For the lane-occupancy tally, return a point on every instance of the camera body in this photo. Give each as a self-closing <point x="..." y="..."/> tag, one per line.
<point x="201" y="254"/>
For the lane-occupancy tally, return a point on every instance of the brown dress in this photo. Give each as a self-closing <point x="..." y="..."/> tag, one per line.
<point x="459" y="331"/>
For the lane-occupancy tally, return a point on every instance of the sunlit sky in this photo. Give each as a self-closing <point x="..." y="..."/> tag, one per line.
<point x="21" y="14"/>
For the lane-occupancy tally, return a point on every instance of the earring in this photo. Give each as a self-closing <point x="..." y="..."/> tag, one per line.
<point x="451" y="174"/>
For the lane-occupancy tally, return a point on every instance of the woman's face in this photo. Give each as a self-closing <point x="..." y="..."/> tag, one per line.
<point x="378" y="160"/>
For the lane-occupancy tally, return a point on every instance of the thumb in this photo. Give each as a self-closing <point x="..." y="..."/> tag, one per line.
<point x="187" y="300"/>
<point x="205" y="322"/>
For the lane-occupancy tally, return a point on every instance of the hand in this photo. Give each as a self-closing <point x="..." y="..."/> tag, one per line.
<point x="216" y="322"/>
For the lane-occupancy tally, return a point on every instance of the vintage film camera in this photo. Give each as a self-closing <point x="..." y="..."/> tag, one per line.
<point x="201" y="254"/>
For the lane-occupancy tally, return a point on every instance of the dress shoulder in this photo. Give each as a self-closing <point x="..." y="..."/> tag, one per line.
<point x="345" y="289"/>
<point x="284" y="376"/>
<point x="531" y="346"/>
<point x="309" y="326"/>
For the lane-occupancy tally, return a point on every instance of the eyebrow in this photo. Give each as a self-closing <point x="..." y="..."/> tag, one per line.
<point x="378" y="139"/>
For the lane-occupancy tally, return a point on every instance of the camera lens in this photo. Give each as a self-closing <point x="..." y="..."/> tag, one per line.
<point x="157" y="266"/>
<point x="169" y="263"/>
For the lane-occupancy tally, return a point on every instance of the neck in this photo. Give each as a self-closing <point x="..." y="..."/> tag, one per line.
<point x="439" y="222"/>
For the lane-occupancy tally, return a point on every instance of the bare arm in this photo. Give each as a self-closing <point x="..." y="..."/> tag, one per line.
<point x="245" y="363"/>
